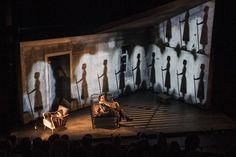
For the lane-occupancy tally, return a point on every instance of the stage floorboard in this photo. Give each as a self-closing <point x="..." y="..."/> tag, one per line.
<point x="149" y="116"/>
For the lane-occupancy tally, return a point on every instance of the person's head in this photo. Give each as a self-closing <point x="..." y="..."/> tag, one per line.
<point x="138" y="56"/>
<point x="105" y="62"/>
<point x="153" y="54"/>
<point x="184" y="62"/>
<point x="65" y="137"/>
<point x="87" y="140"/>
<point x="206" y="8"/>
<point x="202" y="66"/>
<point x="174" y="146"/>
<point x="192" y="142"/>
<point x="36" y="75"/>
<point x="116" y="140"/>
<point x="102" y="98"/>
<point x="168" y="58"/>
<point x="122" y="59"/>
<point x="84" y="66"/>
<point x="187" y="14"/>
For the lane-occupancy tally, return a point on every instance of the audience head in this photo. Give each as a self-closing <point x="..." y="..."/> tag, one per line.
<point x="161" y="139"/>
<point x="53" y="137"/>
<point x="87" y="140"/>
<point x="192" y="142"/>
<point x="37" y="142"/>
<point x="116" y="140"/>
<point x="65" y="137"/>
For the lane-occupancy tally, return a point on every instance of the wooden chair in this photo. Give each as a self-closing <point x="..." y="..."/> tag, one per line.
<point x="57" y="119"/>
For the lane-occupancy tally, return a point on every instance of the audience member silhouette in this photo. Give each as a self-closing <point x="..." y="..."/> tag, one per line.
<point x="57" y="146"/>
<point x="37" y="147"/>
<point x="174" y="150"/>
<point x="192" y="143"/>
<point x="183" y="86"/>
<point x="161" y="147"/>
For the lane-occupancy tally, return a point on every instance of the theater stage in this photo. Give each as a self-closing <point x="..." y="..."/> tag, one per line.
<point x="149" y="116"/>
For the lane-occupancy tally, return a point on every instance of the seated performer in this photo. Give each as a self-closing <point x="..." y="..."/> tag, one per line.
<point x="111" y="108"/>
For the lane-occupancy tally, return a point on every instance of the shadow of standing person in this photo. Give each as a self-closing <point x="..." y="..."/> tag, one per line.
<point x="200" y="91"/>
<point x="105" y="85"/>
<point x="183" y="86"/>
<point x="84" y="89"/>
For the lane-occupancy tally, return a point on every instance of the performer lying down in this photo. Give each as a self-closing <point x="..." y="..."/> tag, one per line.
<point x="112" y="108"/>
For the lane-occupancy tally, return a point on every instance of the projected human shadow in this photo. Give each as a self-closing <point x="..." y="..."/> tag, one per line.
<point x="185" y="37"/>
<point x="200" y="91"/>
<point x="38" y="102"/>
<point x="204" y="33"/>
<point x="61" y="87"/>
<point x="138" y="73"/>
<point x="84" y="89"/>
<point x="105" y="85"/>
<point x="167" y="78"/>
<point x="178" y="50"/>
<point x="183" y="85"/>
<point x="161" y="45"/>
<point x="121" y="77"/>
<point x="168" y="31"/>
<point x="152" y="77"/>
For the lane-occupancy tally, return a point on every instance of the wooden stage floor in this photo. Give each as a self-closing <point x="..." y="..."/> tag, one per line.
<point x="149" y="116"/>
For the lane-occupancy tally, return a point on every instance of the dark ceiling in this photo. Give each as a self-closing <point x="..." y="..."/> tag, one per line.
<point x="53" y="18"/>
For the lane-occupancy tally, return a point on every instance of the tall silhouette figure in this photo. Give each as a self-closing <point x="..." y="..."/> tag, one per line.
<point x="61" y="86"/>
<point x="183" y="86"/>
<point x="204" y="34"/>
<point x="200" y="92"/>
<point x="105" y="85"/>
<point x="153" y="72"/>
<point x="138" y="73"/>
<point x="84" y="89"/>
<point x="38" y="102"/>
<point x="168" y="31"/>
<point x="186" y="30"/>
<point x="122" y="76"/>
<point x="167" y="78"/>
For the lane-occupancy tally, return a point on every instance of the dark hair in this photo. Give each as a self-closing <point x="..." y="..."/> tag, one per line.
<point x="153" y="54"/>
<point x="185" y="62"/>
<point x="105" y="61"/>
<point x="168" y="58"/>
<point x="206" y="8"/>
<point x="99" y="97"/>
<point x="202" y="66"/>
<point x="138" y="55"/>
